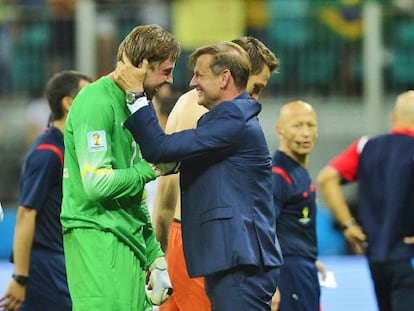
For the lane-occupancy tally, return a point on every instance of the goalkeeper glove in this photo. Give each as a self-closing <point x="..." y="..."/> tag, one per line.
<point x="159" y="282"/>
<point x="162" y="169"/>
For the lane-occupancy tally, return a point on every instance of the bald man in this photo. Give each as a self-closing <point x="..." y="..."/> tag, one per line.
<point x="383" y="166"/>
<point x="294" y="199"/>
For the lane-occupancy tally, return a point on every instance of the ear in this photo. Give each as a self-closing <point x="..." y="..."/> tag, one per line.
<point x="66" y="103"/>
<point x="280" y="133"/>
<point x="278" y="130"/>
<point x="225" y="79"/>
<point x="393" y="117"/>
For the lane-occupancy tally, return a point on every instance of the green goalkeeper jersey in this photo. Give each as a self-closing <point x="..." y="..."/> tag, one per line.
<point x="104" y="173"/>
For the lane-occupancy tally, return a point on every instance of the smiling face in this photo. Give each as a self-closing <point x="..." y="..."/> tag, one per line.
<point x="297" y="130"/>
<point x="205" y="82"/>
<point x="157" y="76"/>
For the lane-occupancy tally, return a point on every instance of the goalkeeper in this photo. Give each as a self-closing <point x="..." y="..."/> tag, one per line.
<point x="109" y="241"/>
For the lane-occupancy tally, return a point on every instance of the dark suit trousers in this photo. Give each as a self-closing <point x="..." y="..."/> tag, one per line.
<point x="242" y="288"/>
<point x="394" y="285"/>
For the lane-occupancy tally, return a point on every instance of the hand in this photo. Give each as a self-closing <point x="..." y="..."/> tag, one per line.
<point x="159" y="282"/>
<point x="14" y="296"/>
<point x="163" y="169"/>
<point x="357" y="238"/>
<point x="275" y="300"/>
<point x="321" y="268"/>
<point x="409" y="240"/>
<point x="128" y="77"/>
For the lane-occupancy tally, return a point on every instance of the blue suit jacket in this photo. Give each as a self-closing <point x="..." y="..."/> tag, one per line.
<point x="227" y="210"/>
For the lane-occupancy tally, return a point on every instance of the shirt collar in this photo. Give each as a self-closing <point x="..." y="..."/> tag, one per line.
<point x="402" y="130"/>
<point x="243" y="95"/>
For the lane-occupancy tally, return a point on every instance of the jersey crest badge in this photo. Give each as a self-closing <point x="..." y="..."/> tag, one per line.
<point x="96" y="141"/>
<point x="305" y="216"/>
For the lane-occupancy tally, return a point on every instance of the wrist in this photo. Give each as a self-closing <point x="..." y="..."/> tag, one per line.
<point x="136" y="102"/>
<point x="21" y="279"/>
<point x="156" y="170"/>
<point x="159" y="263"/>
<point x="348" y="224"/>
<point x="131" y="97"/>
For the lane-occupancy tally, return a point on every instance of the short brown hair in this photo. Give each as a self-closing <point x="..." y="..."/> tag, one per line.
<point x="62" y="84"/>
<point x="149" y="42"/>
<point x="226" y="55"/>
<point x="260" y="55"/>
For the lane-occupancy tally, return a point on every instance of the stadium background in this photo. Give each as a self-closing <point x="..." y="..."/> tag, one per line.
<point x="348" y="58"/>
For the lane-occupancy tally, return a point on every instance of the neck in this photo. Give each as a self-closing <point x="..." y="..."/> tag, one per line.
<point x="225" y="97"/>
<point x="59" y="124"/>
<point x="301" y="159"/>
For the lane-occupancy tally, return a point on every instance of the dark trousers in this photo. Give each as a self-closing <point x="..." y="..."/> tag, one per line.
<point x="47" y="289"/>
<point x="394" y="285"/>
<point x="299" y="285"/>
<point x="242" y="288"/>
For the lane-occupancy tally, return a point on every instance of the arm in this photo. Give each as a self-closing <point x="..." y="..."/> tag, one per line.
<point x="409" y="240"/>
<point x="164" y="207"/>
<point x="184" y="115"/>
<point x="153" y="247"/>
<point x="321" y="268"/>
<point x="22" y="245"/>
<point x="275" y="300"/>
<point x="330" y="185"/>
<point x="215" y="138"/>
<point x="109" y="166"/>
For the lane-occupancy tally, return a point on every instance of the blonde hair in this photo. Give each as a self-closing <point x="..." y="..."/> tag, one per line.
<point x="149" y="42"/>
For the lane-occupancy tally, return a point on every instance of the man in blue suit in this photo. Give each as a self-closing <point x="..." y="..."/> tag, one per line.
<point x="226" y="180"/>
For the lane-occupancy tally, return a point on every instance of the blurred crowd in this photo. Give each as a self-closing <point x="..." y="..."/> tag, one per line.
<point x="319" y="44"/>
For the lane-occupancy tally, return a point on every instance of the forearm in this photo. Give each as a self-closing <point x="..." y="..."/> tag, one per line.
<point x="330" y="186"/>
<point x="164" y="207"/>
<point x="116" y="183"/>
<point x="23" y="240"/>
<point x="162" y="225"/>
<point x="153" y="247"/>
<point x="336" y="202"/>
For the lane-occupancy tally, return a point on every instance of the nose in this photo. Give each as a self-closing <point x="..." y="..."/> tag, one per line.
<point x="193" y="81"/>
<point x="170" y="79"/>
<point x="306" y="131"/>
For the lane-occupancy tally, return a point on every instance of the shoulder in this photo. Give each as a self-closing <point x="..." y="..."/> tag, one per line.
<point x="281" y="167"/>
<point x="98" y="95"/>
<point x="45" y="155"/>
<point x="185" y="113"/>
<point x="49" y="146"/>
<point x="100" y="102"/>
<point x="247" y="107"/>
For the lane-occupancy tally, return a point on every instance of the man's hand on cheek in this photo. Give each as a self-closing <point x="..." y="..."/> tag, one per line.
<point x="128" y="77"/>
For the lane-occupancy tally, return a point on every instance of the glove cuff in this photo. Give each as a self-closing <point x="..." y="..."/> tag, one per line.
<point x="159" y="263"/>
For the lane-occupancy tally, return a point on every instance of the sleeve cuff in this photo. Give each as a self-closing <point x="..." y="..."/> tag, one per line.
<point x="138" y="104"/>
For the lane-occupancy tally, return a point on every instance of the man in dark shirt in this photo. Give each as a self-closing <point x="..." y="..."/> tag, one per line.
<point x="294" y="197"/>
<point x="39" y="279"/>
<point x="384" y="169"/>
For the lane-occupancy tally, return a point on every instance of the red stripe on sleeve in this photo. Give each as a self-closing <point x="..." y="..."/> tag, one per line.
<point x="53" y="148"/>
<point x="282" y="172"/>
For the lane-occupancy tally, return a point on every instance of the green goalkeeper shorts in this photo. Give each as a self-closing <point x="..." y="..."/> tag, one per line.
<point x="103" y="273"/>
